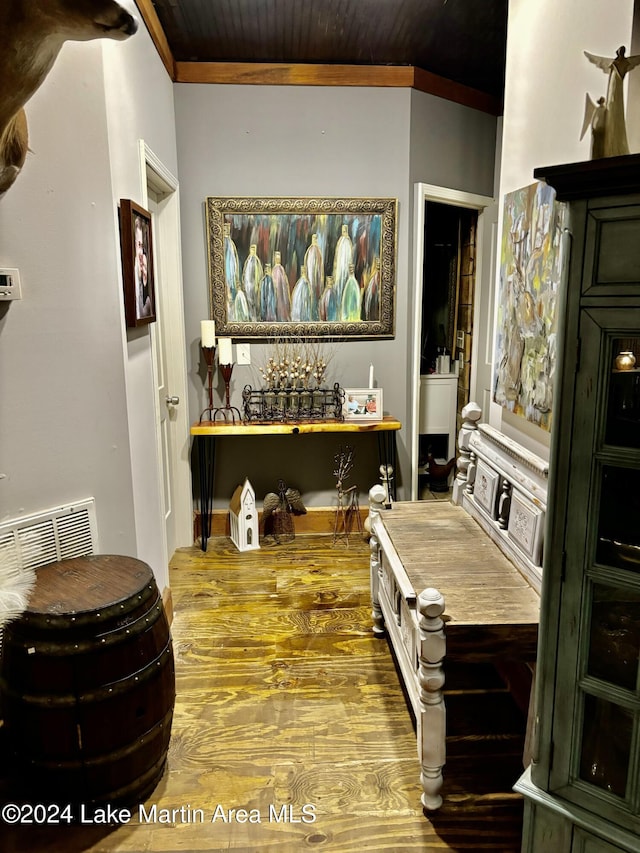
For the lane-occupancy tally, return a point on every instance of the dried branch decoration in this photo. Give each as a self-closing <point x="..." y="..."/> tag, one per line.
<point x="296" y="364"/>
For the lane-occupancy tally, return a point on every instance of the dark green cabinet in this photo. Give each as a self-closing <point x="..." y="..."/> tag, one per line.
<point x="582" y="792"/>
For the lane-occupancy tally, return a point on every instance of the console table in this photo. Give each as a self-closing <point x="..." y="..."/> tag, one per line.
<point x="205" y="434"/>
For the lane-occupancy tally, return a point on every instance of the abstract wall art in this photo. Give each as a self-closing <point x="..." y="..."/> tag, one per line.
<point x="531" y="262"/>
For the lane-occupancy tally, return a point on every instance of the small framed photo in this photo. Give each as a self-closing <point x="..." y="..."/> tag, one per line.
<point x="362" y="404"/>
<point x="137" y="264"/>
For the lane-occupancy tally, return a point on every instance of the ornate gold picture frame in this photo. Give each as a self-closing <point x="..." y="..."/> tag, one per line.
<point x="302" y="267"/>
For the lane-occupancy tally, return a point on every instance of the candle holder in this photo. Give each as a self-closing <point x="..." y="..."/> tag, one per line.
<point x="224" y="411"/>
<point x="209" y="357"/>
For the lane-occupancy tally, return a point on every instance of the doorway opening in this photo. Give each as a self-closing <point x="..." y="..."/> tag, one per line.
<point x="447" y="236"/>
<point x="448" y="276"/>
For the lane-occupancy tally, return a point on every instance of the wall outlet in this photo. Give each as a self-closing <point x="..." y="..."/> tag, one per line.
<point x="460" y="340"/>
<point x="243" y="353"/>
<point x="10" y="284"/>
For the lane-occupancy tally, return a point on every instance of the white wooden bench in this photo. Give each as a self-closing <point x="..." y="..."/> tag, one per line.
<point x="460" y="579"/>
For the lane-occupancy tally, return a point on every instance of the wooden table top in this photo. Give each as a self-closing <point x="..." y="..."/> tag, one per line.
<point x="442" y="546"/>
<point x="220" y="427"/>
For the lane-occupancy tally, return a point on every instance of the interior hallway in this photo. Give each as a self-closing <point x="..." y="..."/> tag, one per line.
<point x="284" y="698"/>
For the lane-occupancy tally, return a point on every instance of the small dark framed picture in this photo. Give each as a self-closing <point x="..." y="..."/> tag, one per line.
<point x="137" y="264"/>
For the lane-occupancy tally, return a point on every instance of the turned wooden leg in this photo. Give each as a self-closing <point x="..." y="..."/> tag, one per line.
<point x="375" y="568"/>
<point x="431" y="718"/>
<point x="504" y="505"/>
<point x="471" y="414"/>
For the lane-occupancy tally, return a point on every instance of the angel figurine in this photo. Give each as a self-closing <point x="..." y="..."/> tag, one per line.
<point x="278" y="510"/>
<point x="595" y="116"/>
<point x="609" y="133"/>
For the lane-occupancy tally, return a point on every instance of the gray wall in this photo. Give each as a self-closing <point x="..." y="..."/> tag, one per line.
<point x="451" y="146"/>
<point x="76" y="399"/>
<point x="315" y="141"/>
<point x="63" y="423"/>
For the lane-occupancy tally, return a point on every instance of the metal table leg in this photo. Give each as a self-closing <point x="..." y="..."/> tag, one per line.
<point x="206" y="466"/>
<point x="387" y="455"/>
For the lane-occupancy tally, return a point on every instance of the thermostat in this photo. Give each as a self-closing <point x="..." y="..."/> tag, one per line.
<point x="10" y="284"/>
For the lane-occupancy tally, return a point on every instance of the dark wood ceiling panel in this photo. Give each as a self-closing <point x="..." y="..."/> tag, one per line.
<point x="461" y="40"/>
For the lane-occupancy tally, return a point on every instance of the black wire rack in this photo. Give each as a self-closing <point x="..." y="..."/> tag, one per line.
<point x="280" y="405"/>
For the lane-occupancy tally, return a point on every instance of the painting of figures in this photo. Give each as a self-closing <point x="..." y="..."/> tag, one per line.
<point x="302" y="267"/>
<point x="530" y="276"/>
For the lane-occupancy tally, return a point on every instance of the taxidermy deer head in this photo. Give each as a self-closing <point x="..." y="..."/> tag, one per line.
<point x="31" y="35"/>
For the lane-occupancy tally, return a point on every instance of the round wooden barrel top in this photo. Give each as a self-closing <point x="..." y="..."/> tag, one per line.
<point x="89" y="583"/>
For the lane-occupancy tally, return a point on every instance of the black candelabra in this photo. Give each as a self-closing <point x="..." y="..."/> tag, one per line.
<point x="226" y="412"/>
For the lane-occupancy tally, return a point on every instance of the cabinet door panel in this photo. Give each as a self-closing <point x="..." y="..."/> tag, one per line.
<point x="618" y="543"/>
<point x="614" y="636"/>
<point x="612" y="257"/>
<point x="606" y="745"/>
<point x="584" y="842"/>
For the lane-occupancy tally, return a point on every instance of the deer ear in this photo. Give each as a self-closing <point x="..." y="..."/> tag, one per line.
<point x="17" y="139"/>
<point x="14" y="144"/>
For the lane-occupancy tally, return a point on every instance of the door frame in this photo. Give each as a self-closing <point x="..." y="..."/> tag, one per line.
<point x="422" y="194"/>
<point x="484" y="313"/>
<point x="168" y="243"/>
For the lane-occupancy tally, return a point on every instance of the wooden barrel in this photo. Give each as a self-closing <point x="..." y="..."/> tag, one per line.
<point x="88" y="685"/>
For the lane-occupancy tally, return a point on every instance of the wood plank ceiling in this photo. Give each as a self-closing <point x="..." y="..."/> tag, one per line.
<point x="455" y="48"/>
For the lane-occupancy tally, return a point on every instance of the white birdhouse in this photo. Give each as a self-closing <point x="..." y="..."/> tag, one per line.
<point x="243" y="516"/>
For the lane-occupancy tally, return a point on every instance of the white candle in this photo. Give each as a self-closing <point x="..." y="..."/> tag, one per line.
<point x="208" y="333"/>
<point x="225" y="351"/>
<point x="370" y="376"/>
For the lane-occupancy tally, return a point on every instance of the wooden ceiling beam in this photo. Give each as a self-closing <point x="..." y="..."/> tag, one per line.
<point x="152" y="22"/>
<point x="293" y="74"/>
<point x="433" y="84"/>
<point x="285" y="74"/>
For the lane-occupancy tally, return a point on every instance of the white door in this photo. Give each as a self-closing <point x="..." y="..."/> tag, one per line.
<point x="169" y="356"/>
<point x="166" y="404"/>
<point x="484" y="310"/>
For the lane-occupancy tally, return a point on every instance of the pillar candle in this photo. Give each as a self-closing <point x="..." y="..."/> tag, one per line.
<point x="208" y="333"/>
<point x="370" y="376"/>
<point x="225" y="351"/>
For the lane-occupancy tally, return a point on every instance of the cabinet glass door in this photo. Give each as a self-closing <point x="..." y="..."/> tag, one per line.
<point x="608" y="692"/>
<point x="602" y="589"/>
<point x="618" y="527"/>
<point x="609" y="688"/>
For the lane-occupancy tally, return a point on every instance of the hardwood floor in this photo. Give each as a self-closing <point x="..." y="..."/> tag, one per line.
<point x="288" y="708"/>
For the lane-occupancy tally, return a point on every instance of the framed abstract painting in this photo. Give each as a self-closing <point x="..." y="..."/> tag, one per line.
<point x="302" y="267"/>
<point x="531" y="264"/>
